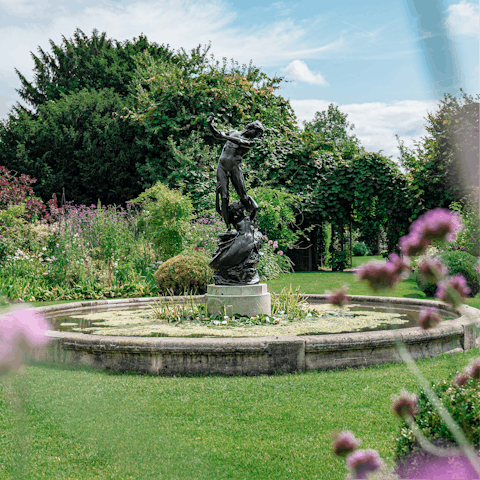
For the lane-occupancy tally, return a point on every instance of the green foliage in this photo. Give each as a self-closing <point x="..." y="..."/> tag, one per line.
<point x="276" y="215"/>
<point x="436" y="168"/>
<point x="203" y="233"/>
<point x="359" y="249"/>
<point x="174" y="101"/>
<point x="273" y="263"/>
<point x="14" y="232"/>
<point x="79" y="142"/>
<point x="462" y="263"/>
<point x="94" y="63"/>
<point x="166" y="218"/>
<point x="469" y="237"/>
<point x="184" y="273"/>
<point x="192" y="170"/>
<point x="338" y="260"/>
<point x="463" y="405"/>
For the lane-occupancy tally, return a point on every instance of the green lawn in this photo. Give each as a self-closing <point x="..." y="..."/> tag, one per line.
<point x="78" y="423"/>
<point x="59" y="422"/>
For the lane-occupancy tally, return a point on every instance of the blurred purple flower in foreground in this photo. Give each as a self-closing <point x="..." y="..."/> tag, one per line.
<point x="339" y="297"/>
<point x="473" y="370"/>
<point x="436" y="224"/>
<point x="461" y="379"/>
<point x="428" y="318"/>
<point x="20" y="331"/>
<point x="345" y="443"/>
<point x="361" y="462"/>
<point x="384" y="275"/>
<point x="405" y="404"/>
<point x="453" y="290"/>
<point x="431" y="270"/>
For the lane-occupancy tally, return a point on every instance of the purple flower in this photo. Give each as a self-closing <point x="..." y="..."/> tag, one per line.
<point x="280" y="252"/>
<point x="20" y="331"/>
<point x="361" y="462"/>
<point x="379" y="274"/>
<point x="339" y="297"/>
<point x="461" y="379"/>
<point x="345" y="443"/>
<point x="436" y="224"/>
<point x="411" y="245"/>
<point x="432" y="270"/>
<point x="453" y="290"/>
<point x="428" y="318"/>
<point x="473" y="370"/>
<point x="405" y="404"/>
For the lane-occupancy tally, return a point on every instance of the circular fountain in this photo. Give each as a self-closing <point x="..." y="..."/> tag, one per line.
<point x="254" y="355"/>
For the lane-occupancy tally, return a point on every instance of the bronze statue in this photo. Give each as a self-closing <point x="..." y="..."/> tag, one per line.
<point x="237" y="254"/>
<point x="229" y="163"/>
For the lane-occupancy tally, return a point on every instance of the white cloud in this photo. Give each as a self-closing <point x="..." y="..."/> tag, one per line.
<point x="298" y="70"/>
<point x="463" y="18"/>
<point x="377" y="123"/>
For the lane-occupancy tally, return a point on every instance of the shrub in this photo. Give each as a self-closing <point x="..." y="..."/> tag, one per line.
<point x="184" y="273"/>
<point x="166" y="218"/>
<point x="203" y="233"/>
<point x="462" y="263"/>
<point x="463" y="403"/>
<point x="273" y="262"/>
<point x="360" y="249"/>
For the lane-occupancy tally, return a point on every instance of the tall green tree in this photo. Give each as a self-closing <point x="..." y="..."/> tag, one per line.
<point x="79" y="143"/>
<point x="174" y="101"/>
<point x="444" y="161"/>
<point x="83" y="62"/>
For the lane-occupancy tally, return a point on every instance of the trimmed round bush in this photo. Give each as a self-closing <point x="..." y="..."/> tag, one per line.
<point x="463" y="403"/>
<point x="184" y="274"/>
<point x="360" y="249"/>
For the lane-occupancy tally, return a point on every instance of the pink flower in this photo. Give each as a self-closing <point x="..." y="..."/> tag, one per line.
<point x="432" y="270"/>
<point x="345" y="443"/>
<point x="361" y="462"/>
<point x="411" y="245"/>
<point x="405" y="404"/>
<point x="453" y="290"/>
<point x="428" y="318"/>
<point x="339" y="297"/>
<point x="275" y="244"/>
<point x="461" y="379"/>
<point x="270" y="242"/>
<point x="379" y="274"/>
<point x="473" y="370"/>
<point x="20" y="331"/>
<point x="436" y="224"/>
<point x="280" y="252"/>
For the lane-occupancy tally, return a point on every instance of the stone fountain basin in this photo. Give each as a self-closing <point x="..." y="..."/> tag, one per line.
<point x="254" y="355"/>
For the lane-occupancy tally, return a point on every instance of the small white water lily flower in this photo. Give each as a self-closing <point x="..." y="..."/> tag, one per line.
<point x="267" y="320"/>
<point x="224" y="322"/>
<point x="309" y="314"/>
<point x="225" y="317"/>
<point x="282" y="312"/>
<point x="216" y="322"/>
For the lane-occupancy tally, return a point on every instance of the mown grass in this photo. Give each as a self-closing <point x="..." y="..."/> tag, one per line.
<point x="78" y="423"/>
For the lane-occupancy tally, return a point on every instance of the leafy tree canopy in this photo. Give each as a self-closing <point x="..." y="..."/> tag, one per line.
<point x="439" y="165"/>
<point x="83" y="62"/>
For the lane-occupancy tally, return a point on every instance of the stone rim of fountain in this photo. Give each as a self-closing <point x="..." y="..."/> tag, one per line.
<point x="253" y="355"/>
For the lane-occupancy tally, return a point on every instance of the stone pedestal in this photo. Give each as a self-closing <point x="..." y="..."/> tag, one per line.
<point x="238" y="300"/>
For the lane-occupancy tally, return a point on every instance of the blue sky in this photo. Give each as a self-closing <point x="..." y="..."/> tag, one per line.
<point x="364" y="56"/>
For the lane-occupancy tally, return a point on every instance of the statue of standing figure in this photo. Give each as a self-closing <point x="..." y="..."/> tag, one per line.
<point x="237" y="254"/>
